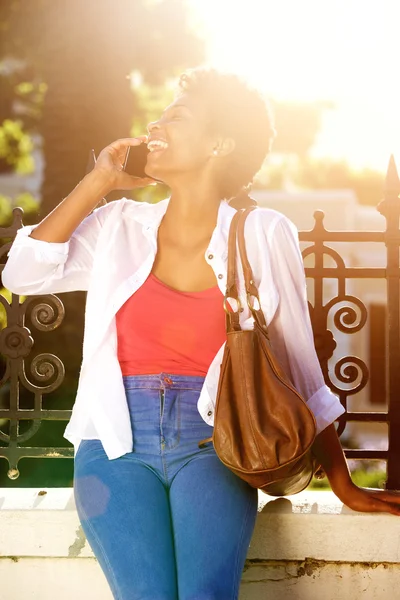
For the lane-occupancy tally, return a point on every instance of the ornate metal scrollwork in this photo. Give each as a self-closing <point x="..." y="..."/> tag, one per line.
<point x="43" y="368"/>
<point x="346" y="318"/>
<point x="46" y="313"/>
<point x="349" y="370"/>
<point x="15" y="341"/>
<point x="350" y="316"/>
<point x="45" y="316"/>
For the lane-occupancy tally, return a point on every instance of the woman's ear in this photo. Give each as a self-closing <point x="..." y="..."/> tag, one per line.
<point x="224" y="146"/>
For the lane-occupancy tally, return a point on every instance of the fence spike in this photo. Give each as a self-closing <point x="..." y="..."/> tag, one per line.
<point x="392" y="181"/>
<point x="391" y="192"/>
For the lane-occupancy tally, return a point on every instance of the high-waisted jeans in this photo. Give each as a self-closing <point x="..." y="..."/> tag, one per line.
<point x="167" y="521"/>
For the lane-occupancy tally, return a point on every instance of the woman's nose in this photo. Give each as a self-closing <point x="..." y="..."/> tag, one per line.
<point x="152" y="126"/>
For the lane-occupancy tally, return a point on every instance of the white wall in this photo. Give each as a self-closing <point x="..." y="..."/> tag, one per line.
<point x="306" y="547"/>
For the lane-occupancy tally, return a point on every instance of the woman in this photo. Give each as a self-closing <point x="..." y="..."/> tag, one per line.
<point x="167" y="519"/>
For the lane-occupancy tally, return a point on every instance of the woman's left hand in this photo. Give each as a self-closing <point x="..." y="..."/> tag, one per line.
<point x="371" y="500"/>
<point x="329" y="454"/>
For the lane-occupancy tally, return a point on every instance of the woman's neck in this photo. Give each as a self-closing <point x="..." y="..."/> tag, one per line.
<point x="192" y="211"/>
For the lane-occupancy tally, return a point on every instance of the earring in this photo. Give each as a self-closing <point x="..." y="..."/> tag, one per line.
<point x="215" y="152"/>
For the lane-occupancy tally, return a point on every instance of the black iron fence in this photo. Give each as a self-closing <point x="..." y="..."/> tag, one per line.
<point x="351" y="317"/>
<point x="43" y="373"/>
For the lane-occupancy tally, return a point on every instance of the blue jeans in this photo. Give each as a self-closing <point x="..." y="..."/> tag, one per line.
<point x="167" y="521"/>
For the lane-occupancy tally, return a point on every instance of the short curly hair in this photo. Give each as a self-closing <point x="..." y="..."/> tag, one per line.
<point x="238" y="111"/>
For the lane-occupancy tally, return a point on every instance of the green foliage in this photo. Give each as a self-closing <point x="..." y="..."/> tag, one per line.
<point x="77" y="90"/>
<point x="21" y="105"/>
<point x="361" y="477"/>
<point x="371" y="479"/>
<point x="8" y="296"/>
<point x="21" y="97"/>
<point x="5" y="210"/>
<point x="31" y="94"/>
<point x="26" y="201"/>
<point x="16" y="147"/>
<point x="150" y="102"/>
<point x="3" y="315"/>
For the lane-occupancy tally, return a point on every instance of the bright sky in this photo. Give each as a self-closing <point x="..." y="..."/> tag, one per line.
<point x="347" y="51"/>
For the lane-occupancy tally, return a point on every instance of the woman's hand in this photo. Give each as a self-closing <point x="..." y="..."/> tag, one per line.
<point x="329" y="453"/>
<point x="371" y="500"/>
<point x="110" y="162"/>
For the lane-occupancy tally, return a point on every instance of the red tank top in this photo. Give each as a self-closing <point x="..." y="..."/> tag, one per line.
<point x="163" y="330"/>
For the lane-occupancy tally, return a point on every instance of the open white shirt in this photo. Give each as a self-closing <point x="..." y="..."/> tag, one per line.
<point x="111" y="254"/>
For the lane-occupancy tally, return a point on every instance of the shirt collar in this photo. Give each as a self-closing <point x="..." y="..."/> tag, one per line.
<point x="219" y="239"/>
<point x="150" y="216"/>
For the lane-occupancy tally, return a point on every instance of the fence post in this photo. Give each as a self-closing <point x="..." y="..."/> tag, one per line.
<point x="390" y="209"/>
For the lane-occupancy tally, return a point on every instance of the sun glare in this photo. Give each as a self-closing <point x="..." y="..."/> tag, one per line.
<point x="344" y="51"/>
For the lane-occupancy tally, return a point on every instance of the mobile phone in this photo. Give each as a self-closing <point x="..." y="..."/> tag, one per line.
<point x="136" y="159"/>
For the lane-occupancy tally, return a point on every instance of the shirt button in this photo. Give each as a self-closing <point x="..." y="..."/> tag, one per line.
<point x="209" y="413"/>
<point x="211" y="256"/>
<point x="220" y="276"/>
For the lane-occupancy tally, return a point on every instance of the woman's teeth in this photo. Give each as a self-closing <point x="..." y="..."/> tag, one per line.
<point x="157" y="145"/>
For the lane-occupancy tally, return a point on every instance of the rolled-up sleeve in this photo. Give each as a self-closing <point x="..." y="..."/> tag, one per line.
<point x="39" y="267"/>
<point x="290" y="329"/>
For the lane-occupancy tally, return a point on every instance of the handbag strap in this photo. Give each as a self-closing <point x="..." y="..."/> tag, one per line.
<point x="232" y="316"/>
<point x="253" y="299"/>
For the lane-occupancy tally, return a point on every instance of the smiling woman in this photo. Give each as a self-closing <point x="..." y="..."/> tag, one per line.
<point x="156" y="276"/>
<point x="217" y="124"/>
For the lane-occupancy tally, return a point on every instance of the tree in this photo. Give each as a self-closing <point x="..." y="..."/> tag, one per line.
<point x="297" y="125"/>
<point x="84" y="52"/>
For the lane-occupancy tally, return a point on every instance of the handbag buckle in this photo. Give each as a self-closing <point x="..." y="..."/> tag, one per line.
<point x="250" y="304"/>
<point x="229" y="310"/>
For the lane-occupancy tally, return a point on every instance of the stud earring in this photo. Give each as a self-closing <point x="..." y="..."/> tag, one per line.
<point x="215" y="152"/>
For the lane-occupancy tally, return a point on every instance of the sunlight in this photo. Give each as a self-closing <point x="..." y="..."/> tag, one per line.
<point x="345" y="51"/>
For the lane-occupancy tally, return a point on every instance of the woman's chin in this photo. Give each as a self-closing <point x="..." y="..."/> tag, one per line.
<point x="153" y="173"/>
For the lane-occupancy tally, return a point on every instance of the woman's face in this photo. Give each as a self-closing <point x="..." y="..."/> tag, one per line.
<point x="180" y="142"/>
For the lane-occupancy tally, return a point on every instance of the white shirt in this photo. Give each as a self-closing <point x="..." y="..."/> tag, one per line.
<point x="111" y="254"/>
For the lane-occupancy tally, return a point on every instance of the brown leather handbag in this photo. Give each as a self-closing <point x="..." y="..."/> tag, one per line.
<point x="263" y="428"/>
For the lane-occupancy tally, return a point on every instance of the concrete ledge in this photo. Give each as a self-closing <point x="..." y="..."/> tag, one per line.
<point x="305" y="547"/>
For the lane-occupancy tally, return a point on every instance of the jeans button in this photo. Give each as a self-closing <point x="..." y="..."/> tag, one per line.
<point x="168" y="380"/>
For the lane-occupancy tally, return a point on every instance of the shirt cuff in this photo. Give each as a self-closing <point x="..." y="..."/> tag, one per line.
<point x="52" y="253"/>
<point x="326" y="407"/>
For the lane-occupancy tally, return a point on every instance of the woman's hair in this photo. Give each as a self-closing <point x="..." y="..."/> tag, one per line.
<point x="238" y="111"/>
